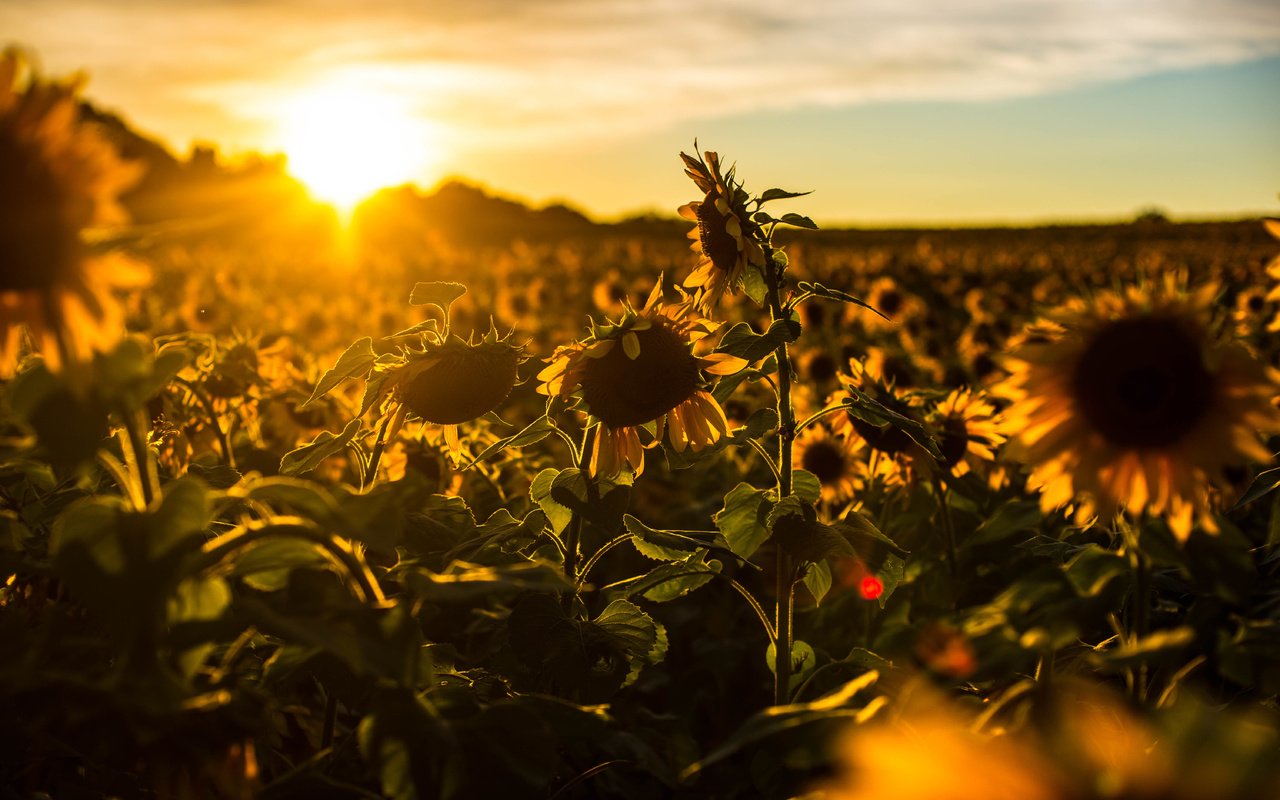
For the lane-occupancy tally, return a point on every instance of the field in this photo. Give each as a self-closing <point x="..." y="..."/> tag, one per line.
<point x="466" y="500"/>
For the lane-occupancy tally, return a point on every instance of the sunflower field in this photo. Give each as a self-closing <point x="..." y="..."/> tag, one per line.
<point x="730" y="507"/>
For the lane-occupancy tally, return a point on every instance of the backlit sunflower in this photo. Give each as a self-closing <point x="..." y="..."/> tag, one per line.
<point x="832" y="460"/>
<point x="638" y="371"/>
<point x="967" y="431"/>
<point x="1133" y="405"/>
<point x="447" y="382"/>
<point x="726" y="238"/>
<point x="59" y="177"/>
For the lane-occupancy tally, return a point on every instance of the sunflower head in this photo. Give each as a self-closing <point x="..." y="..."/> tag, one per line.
<point x="642" y="370"/>
<point x="1132" y="402"/>
<point x="832" y="460"/>
<point x="59" y="177"/>
<point x="456" y="381"/>
<point x="967" y="431"/>
<point x="725" y="238"/>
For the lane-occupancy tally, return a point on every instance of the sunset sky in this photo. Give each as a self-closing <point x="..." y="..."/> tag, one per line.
<point x="946" y="111"/>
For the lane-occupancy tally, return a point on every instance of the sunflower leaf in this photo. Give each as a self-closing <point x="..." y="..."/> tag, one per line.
<point x="743" y="342"/>
<point x="835" y="294"/>
<point x="1265" y="483"/>
<point x="308" y="457"/>
<point x="798" y="221"/>
<point x="743" y="520"/>
<point x="781" y="194"/>
<point x="356" y="361"/>
<point x="673" y="545"/>
<point x="867" y="409"/>
<point x="532" y="433"/>
<point x="440" y="294"/>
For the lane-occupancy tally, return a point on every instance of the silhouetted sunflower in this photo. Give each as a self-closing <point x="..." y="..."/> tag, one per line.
<point x="451" y="382"/>
<point x="1133" y="405"/>
<point x="59" y="177"/>
<point x="638" y="371"/>
<point x="723" y="238"/>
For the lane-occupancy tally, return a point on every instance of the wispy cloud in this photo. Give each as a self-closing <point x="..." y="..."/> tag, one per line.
<point x="521" y="74"/>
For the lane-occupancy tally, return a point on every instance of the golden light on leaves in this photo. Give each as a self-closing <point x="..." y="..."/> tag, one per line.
<point x="345" y="141"/>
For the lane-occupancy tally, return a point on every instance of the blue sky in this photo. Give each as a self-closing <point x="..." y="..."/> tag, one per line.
<point x="946" y="111"/>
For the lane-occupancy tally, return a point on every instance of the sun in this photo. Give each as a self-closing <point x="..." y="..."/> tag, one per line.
<point x="346" y="141"/>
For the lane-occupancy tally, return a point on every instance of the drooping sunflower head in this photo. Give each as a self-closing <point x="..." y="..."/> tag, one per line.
<point x="457" y="381"/>
<point x="725" y="239"/>
<point x="1132" y="402"/>
<point x="642" y="370"/>
<point x="59" y="177"/>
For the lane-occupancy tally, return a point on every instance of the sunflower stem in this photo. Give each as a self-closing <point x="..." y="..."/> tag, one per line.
<point x="137" y="454"/>
<point x="948" y="527"/>
<point x="785" y="577"/>
<point x="574" y="531"/>
<point x="375" y="458"/>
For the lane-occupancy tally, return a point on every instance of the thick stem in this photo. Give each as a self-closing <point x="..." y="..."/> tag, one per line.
<point x="573" y="534"/>
<point x="785" y="577"/>
<point x="375" y="458"/>
<point x="138" y="455"/>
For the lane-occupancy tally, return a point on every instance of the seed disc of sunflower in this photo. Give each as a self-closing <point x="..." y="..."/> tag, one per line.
<point x="621" y="391"/>
<point x="466" y="382"/>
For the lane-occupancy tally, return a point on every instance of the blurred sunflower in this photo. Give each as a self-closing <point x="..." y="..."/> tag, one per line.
<point x="1134" y="405"/>
<point x="967" y="431"/>
<point x="832" y="460"/>
<point x="447" y="381"/>
<point x="638" y="371"/>
<point x="59" y="177"/>
<point x="724" y="238"/>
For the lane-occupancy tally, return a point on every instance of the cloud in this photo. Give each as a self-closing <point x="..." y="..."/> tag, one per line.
<point x="522" y="74"/>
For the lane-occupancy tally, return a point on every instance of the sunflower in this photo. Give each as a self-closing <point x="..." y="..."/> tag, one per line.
<point x="831" y="459"/>
<point x="1133" y="405"/>
<point x="447" y="381"/>
<point x="967" y="431"/>
<point x="726" y="238"/>
<point x="638" y="371"/>
<point x="59" y="177"/>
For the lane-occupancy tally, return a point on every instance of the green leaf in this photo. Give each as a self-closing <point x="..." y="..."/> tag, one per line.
<point x="796" y="529"/>
<point x="1159" y="644"/>
<point x="780" y="194"/>
<point x="755" y="285"/>
<point x="835" y="294"/>
<point x="1093" y="568"/>
<point x="744" y="519"/>
<point x="440" y="294"/>
<point x="465" y="582"/>
<point x="806" y="486"/>
<point x="1010" y="519"/>
<point x="405" y="744"/>
<point x="817" y="579"/>
<point x="308" y="457"/>
<point x="534" y="432"/>
<point x="355" y="362"/>
<point x="742" y="341"/>
<point x="1262" y="485"/>
<point x="855" y="526"/>
<point x="836" y="709"/>
<point x="672" y="545"/>
<point x="869" y="410"/>
<point x="803" y="659"/>
<point x="798" y="221"/>
<point x="674" y="579"/>
<point x="558" y="514"/>
<point x="265" y="565"/>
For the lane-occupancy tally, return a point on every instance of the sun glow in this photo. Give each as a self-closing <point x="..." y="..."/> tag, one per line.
<point x="346" y="141"/>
